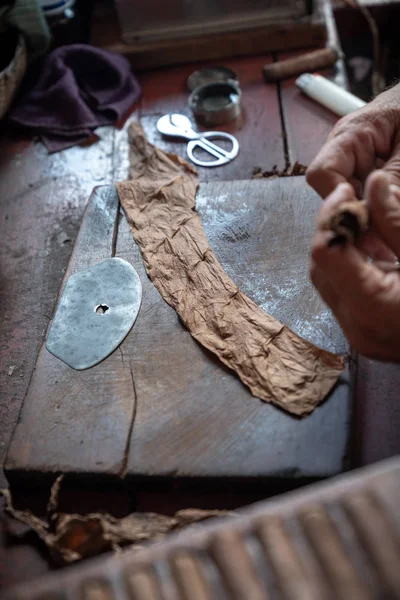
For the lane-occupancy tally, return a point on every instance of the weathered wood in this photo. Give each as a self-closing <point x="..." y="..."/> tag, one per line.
<point x="261" y="40"/>
<point x="258" y="130"/>
<point x="307" y="124"/>
<point x="106" y="33"/>
<point x="235" y="561"/>
<point x="142" y="585"/>
<point x="59" y="423"/>
<point x="190" y="577"/>
<point x="236" y="567"/>
<point x="193" y="416"/>
<point x="294" y="580"/>
<point x="42" y="200"/>
<point x="377" y="412"/>
<point x="156" y="22"/>
<point x="246" y="223"/>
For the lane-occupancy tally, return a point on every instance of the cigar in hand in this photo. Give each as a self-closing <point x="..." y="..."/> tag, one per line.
<point x="348" y="222"/>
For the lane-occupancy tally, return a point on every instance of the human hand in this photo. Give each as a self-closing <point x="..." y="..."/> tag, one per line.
<point x="364" y="297"/>
<point x="361" y="142"/>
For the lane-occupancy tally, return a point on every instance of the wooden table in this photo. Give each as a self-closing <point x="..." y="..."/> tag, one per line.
<point x="42" y="199"/>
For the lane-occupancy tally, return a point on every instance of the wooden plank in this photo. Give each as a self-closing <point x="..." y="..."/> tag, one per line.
<point x="243" y="556"/>
<point x="252" y="42"/>
<point x="59" y="422"/>
<point x="156" y="22"/>
<point x="193" y="416"/>
<point x="43" y="198"/>
<point x="233" y="436"/>
<point x="261" y="113"/>
<point x="307" y="124"/>
<point x="106" y="33"/>
<point x="377" y="412"/>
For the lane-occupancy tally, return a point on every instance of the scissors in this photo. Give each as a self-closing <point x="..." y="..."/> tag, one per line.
<point x="180" y="126"/>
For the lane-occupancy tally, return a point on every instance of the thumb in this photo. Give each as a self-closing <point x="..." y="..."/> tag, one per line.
<point x="383" y="199"/>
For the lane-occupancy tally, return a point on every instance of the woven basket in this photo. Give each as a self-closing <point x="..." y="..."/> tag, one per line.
<point x="12" y="75"/>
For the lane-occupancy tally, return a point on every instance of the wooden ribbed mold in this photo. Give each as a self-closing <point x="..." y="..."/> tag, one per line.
<point x="337" y="540"/>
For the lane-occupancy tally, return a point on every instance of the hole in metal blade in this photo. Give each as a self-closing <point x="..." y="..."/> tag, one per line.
<point x="101" y="309"/>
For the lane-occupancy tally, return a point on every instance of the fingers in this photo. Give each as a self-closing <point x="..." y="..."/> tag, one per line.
<point x="384" y="203"/>
<point x="348" y="157"/>
<point x="324" y="287"/>
<point x="355" y="281"/>
<point x="330" y="168"/>
<point x="351" y="278"/>
<point x="344" y="192"/>
<point x="358" y="144"/>
<point x="364" y="298"/>
<point x="373" y="246"/>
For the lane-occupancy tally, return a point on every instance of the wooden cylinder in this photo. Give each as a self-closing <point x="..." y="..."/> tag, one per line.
<point x="318" y="59"/>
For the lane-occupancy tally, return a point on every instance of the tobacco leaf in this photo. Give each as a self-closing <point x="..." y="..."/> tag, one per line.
<point x="290" y="171"/>
<point x="276" y="364"/>
<point x="72" y="537"/>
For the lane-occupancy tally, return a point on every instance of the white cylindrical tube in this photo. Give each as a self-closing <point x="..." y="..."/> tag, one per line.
<point x="329" y="94"/>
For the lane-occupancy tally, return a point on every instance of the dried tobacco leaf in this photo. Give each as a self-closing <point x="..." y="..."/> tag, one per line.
<point x="72" y="537"/>
<point x="276" y="364"/>
<point x="294" y="170"/>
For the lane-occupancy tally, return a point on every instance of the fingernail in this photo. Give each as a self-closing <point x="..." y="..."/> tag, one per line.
<point x="343" y="186"/>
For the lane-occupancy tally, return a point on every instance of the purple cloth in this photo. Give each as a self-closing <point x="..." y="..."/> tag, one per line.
<point x="72" y="91"/>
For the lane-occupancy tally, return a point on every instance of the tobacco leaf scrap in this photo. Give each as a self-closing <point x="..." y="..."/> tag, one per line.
<point x="276" y="364"/>
<point x="290" y="171"/>
<point x="72" y="537"/>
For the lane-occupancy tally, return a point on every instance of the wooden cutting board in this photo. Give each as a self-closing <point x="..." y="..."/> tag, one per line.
<point x="161" y="405"/>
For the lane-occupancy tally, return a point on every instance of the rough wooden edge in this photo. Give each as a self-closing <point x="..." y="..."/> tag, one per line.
<point x="350" y="532"/>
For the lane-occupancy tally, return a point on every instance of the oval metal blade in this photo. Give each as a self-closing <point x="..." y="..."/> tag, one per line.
<point x="96" y="311"/>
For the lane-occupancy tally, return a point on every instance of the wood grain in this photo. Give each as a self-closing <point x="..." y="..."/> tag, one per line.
<point x="142" y="585"/>
<point x="193" y="417"/>
<point x="293" y="580"/>
<point x="190" y="577"/>
<point x="42" y="202"/>
<point x="258" y="130"/>
<point x="231" y="551"/>
<point x="245" y="223"/>
<point x="59" y="422"/>
<point x="235" y="561"/>
<point x="307" y="124"/>
<point x="176" y="21"/>
<point x="331" y="554"/>
<point x="260" y="40"/>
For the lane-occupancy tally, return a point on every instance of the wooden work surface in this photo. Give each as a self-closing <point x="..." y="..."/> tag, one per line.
<point x="42" y="200"/>
<point x="161" y="405"/>
<point x="337" y="539"/>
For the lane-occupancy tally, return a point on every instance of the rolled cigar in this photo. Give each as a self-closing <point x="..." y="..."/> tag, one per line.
<point x="348" y="223"/>
<point x="312" y="61"/>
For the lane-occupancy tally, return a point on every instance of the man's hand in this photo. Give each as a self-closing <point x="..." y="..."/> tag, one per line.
<point x="358" y="144"/>
<point x="364" y="297"/>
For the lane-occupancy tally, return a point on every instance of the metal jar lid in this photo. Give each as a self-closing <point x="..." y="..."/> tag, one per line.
<point x="216" y="103"/>
<point x="210" y="75"/>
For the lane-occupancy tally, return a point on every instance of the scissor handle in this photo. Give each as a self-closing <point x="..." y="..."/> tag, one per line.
<point x="223" y="156"/>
